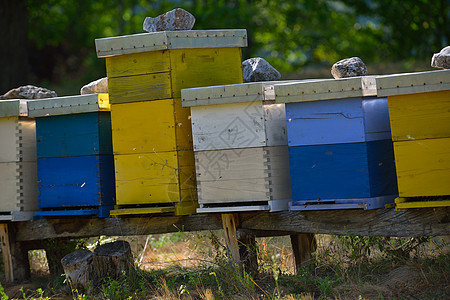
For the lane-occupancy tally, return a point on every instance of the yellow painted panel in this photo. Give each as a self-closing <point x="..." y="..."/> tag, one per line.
<point x="103" y="102"/>
<point x="139" y="88"/>
<point x="403" y="203"/>
<point x="151" y="126"/>
<point x="420" y="116"/>
<point x="138" y="63"/>
<point x="153" y="177"/>
<point x="141" y="211"/>
<point x="423" y="167"/>
<point x="204" y="67"/>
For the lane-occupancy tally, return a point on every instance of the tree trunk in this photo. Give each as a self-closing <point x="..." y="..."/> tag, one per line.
<point x="14" y="40"/>
<point x="77" y="267"/>
<point x="112" y="259"/>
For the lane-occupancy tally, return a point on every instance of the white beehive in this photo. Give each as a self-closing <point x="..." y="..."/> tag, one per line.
<point x="18" y="185"/>
<point x="240" y="147"/>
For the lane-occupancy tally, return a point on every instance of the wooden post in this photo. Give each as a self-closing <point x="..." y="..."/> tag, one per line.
<point x="303" y="244"/>
<point x="247" y="250"/>
<point x="230" y="222"/>
<point x="15" y="255"/>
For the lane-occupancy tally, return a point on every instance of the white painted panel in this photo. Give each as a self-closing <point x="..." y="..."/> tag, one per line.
<point x="9" y="139"/>
<point x="13" y="108"/>
<point x="68" y="105"/>
<point x="225" y="209"/>
<point x="410" y="83"/>
<point x="227" y="126"/>
<point x="27" y="143"/>
<point x="279" y="175"/>
<point x="275" y="124"/>
<point x="9" y="186"/>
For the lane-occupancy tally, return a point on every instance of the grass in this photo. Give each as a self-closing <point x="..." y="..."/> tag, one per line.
<point x="196" y="266"/>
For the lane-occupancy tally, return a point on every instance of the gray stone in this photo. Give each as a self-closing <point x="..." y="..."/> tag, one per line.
<point x="29" y="92"/>
<point x="96" y="87"/>
<point x="349" y="67"/>
<point x="176" y="19"/>
<point x="442" y="59"/>
<point x="258" y="69"/>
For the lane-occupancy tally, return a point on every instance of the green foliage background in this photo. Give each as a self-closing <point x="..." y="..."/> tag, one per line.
<point x="293" y="35"/>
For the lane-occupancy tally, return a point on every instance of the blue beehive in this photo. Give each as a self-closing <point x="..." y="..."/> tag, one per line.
<point x="75" y="164"/>
<point x="340" y="148"/>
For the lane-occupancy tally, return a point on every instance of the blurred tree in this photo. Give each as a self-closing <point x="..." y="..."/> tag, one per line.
<point x="290" y="34"/>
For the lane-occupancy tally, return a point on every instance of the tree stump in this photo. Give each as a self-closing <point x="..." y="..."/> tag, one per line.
<point x="77" y="267"/>
<point x="112" y="259"/>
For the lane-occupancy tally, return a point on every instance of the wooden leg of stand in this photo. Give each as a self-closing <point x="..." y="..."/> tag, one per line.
<point x="247" y="250"/>
<point x="303" y="244"/>
<point x="229" y="222"/>
<point x="15" y="256"/>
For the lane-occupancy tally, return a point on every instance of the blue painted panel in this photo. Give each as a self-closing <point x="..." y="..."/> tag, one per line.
<point x="76" y="181"/>
<point x="325" y="122"/>
<point x="101" y="212"/>
<point x="376" y="119"/>
<point x="362" y="203"/>
<point x="329" y="171"/>
<point x="383" y="178"/>
<point x="74" y="135"/>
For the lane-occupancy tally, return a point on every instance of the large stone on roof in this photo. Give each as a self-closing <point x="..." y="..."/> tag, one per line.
<point x="349" y="67"/>
<point x="29" y="92"/>
<point x="442" y="59"/>
<point x="176" y="19"/>
<point x="99" y="86"/>
<point x="258" y="69"/>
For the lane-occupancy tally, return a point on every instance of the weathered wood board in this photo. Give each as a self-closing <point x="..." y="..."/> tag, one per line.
<point x="238" y="125"/>
<point x="159" y="177"/>
<point x="243" y="175"/>
<point x="380" y="222"/>
<point x="151" y="126"/>
<point x="420" y="116"/>
<point x="347" y="120"/>
<point x="173" y="70"/>
<point x="423" y="167"/>
<point x="18" y="185"/>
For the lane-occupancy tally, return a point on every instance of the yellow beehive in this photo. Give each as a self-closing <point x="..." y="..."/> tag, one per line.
<point x="152" y="135"/>
<point x="153" y="66"/>
<point x="419" y="111"/>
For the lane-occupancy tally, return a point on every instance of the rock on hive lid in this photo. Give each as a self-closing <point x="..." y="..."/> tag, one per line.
<point x="163" y="40"/>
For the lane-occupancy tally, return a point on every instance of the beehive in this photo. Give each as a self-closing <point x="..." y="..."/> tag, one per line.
<point x="18" y="185"/>
<point x="152" y="136"/>
<point x="240" y="147"/>
<point x="75" y="164"/>
<point x="340" y="148"/>
<point x="419" y="109"/>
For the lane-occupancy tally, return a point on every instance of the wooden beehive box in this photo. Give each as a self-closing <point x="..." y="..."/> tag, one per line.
<point x="152" y="135"/>
<point x="155" y="66"/>
<point x="340" y="147"/>
<point x="240" y="147"/>
<point x="18" y="185"/>
<point x="419" y="109"/>
<point x="75" y="165"/>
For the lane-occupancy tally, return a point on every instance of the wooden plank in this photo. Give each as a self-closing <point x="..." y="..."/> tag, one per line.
<point x="154" y="177"/>
<point x="13" y="108"/>
<point x="339" y="171"/>
<point x="325" y="89"/>
<point x="204" y="67"/>
<point x="410" y="83"/>
<point x="423" y="167"/>
<point x="380" y="222"/>
<point x="227" y="126"/>
<point x="420" y="116"/>
<point x="6" y="252"/>
<point x="138" y="64"/>
<point x="76" y="181"/>
<point x="154" y="41"/>
<point x="27" y="139"/>
<point x="68" y="105"/>
<point x="74" y="135"/>
<point x="150" y="126"/>
<point x="140" y="88"/>
<point x="230" y="222"/>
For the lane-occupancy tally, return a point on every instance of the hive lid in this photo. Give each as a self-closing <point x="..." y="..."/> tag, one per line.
<point x="163" y="40"/>
<point x="68" y="105"/>
<point x="232" y="93"/>
<point x="14" y="108"/>
<point x="411" y="83"/>
<point x="325" y="89"/>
